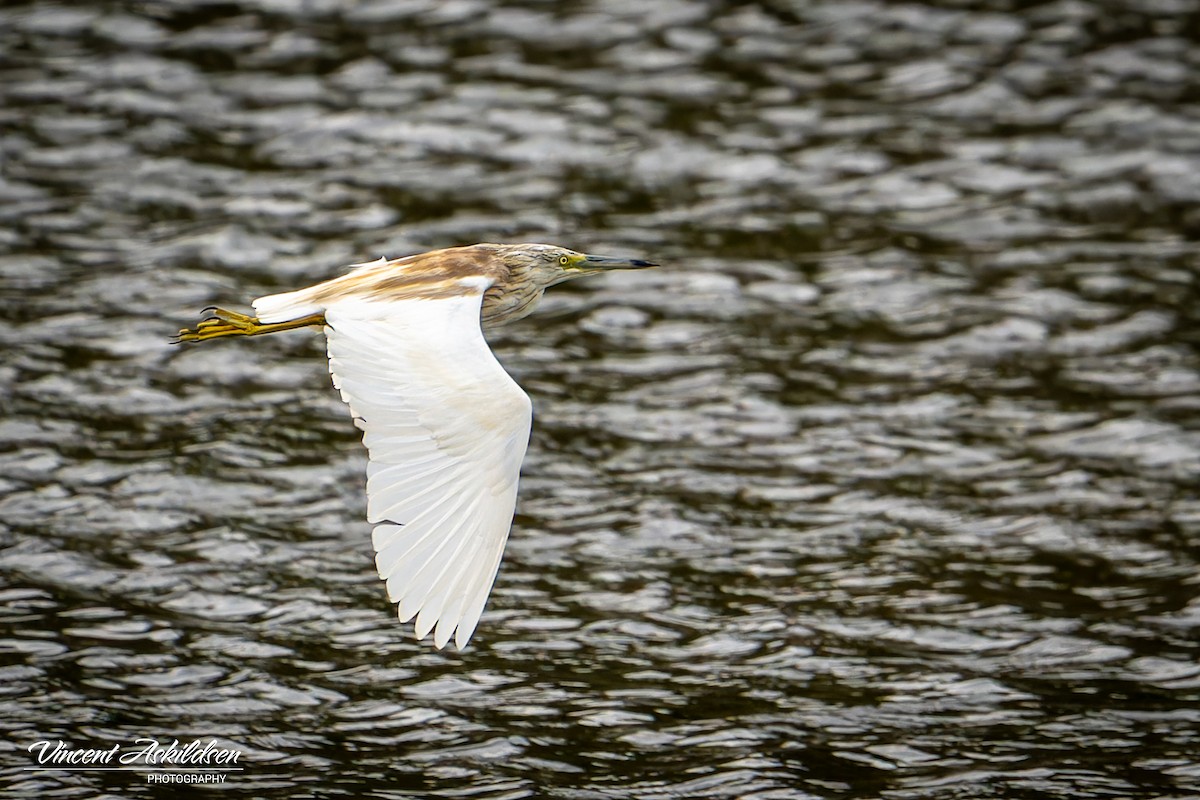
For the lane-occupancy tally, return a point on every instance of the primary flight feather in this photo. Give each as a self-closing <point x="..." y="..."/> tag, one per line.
<point x="444" y="425"/>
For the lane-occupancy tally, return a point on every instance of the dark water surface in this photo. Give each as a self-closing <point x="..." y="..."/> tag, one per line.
<point x="884" y="486"/>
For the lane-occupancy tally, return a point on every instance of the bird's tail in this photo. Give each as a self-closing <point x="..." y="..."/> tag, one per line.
<point x="286" y="306"/>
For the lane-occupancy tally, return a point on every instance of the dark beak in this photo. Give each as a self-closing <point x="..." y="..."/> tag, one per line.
<point x="591" y="262"/>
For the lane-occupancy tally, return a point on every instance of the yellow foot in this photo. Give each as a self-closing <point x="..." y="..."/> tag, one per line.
<point x="224" y="322"/>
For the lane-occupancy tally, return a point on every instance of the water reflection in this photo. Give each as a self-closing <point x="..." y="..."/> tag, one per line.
<point x="883" y="487"/>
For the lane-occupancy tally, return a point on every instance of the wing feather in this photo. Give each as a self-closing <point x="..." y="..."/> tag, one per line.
<point x="428" y="582"/>
<point x="446" y="429"/>
<point x="396" y="558"/>
<point x="485" y="563"/>
<point x="411" y="550"/>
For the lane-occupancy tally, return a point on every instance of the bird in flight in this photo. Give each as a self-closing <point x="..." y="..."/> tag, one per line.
<point x="445" y="426"/>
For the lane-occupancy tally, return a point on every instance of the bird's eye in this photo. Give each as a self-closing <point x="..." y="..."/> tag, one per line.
<point x="564" y="260"/>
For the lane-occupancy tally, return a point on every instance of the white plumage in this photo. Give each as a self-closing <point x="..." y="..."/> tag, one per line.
<point x="446" y="429"/>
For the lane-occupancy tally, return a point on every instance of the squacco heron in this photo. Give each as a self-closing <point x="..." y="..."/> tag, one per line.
<point x="445" y="426"/>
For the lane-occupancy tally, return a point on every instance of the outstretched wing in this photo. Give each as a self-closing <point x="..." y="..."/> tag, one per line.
<point x="446" y="429"/>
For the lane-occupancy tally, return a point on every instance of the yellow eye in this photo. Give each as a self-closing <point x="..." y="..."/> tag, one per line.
<point x="564" y="260"/>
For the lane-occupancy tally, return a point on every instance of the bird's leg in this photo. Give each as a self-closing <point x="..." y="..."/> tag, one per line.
<point x="230" y="323"/>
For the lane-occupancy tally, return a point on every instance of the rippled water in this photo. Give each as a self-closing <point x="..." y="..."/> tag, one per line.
<point x="884" y="486"/>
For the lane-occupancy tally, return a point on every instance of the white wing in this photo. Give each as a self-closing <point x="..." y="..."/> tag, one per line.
<point x="446" y="429"/>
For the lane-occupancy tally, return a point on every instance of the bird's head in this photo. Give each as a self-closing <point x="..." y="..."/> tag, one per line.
<point x="549" y="264"/>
